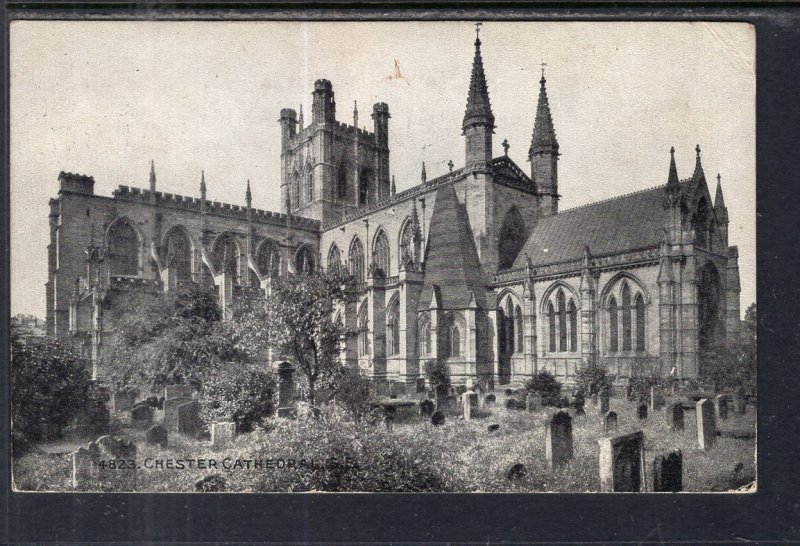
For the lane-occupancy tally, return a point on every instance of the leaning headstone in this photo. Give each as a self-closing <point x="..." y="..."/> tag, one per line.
<point x="177" y="391"/>
<point x="706" y="424"/>
<point x="490" y="399"/>
<point x="721" y="407"/>
<point x="426" y="408"/>
<point x="171" y="412"/>
<point x="123" y="401"/>
<point x="141" y="416"/>
<point x="675" y="416"/>
<point x="109" y="459"/>
<point x="668" y="473"/>
<point x="558" y="439"/>
<point x="533" y="402"/>
<point x="516" y="472"/>
<point x="621" y="463"/>
<point x="437" y="418"/>
<point x="189" y="418"/>
<point x="156" y="435"/>
<point x="641" y="411"/>
<point x="222" y="434"/>
<point x="211" y="484"/>
<point x="610" y="422"/>
<point x="604" y="402"/>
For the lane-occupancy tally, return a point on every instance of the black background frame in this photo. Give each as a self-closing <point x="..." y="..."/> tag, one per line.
<point x="770" y="515"/>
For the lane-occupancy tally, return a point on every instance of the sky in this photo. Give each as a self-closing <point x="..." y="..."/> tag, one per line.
<point x="103" y="98"/>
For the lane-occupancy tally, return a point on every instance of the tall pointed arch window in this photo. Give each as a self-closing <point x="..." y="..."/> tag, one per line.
<point x="309" y="184"/>
<point x="551" y="323"/>
<point x="363" y="331"/>
<point x="364" y="184"/>
<point x="511" y="329"/>
<point x="294" y="190"/>
<point x="424" y="334"/>
<point x="562" y="321"/>
<point x="613" y="325"/>
<point x="225" y="255"/>
<point x="268" y="258"/>
<point x="334" y="259"/>
<point x="572" y="312"/>
<point x="519" y="329"/>
<point x="357" y="260"/>
<point x="381" y="252"/>
<point x="304" y="260"/>
<point x="393" y="329"/>
<point x="179" y="253"/>
<point x="454" y="341"/>
<point x="640" y="317"/>
<point x="341" y="184"/>
<point x="626" y="317"/>
<point x="409" y="244"/>
<point x="123" y="249"/>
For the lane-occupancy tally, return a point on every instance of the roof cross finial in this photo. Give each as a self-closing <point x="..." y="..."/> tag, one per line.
<point x="506" y="146"/>
<point x="450" y="164"/>
<point x="543" y="65"/>
<point x="478" y="32"/>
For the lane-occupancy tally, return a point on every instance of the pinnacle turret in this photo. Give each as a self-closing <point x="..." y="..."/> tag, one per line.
<point x="544" y="134"/>
<point x="152" y="176"/>
<point x="673" y="183"/>
<point x="479" y="109"/>
<point x="698" y="167"/>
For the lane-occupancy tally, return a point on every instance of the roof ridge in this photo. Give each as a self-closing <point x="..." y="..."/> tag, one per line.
<point x="607" y="199"/>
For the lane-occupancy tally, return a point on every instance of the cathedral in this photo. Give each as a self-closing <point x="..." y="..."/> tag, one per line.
<point x="478" y="268"/>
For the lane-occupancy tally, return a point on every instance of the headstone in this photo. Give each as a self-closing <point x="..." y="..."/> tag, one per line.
<point x="493" y="427"/>
<point x="610" y="422"/>
<point x="490" y="399"/>
<point x="533" y="402"/>
<point x="123" y="401"/>
<point x="389" y="414"/>
<point x="222" y="434"/>
<point x="641" y="410"/>
<point x="156" y="435"/>
<point x="211" y="484"/>
<point x="109" y="459"/>
<point x="629" y="393"/>
<point x="740" y="404"/>
<point x="558" y="439"/>
<point x="604" y="402"/>
<point x="721" y="407"/>
<point x="675" y="416"/>
<point x="178" y="391"/>
<point x="141" y="416"/>
<point x="706" y="424"/>
<point x="437" y="418"/>
<point x="470" y="404"/>
<point x="285" y="385"/>
<point x="593" y="400"/>
<point x="511" y="404"/>
<point x="668" y="473"/>
<point x="580" y="411"/>
<point x="621" y="463"/>
<point x="171" y="412"/>
<point x="516" y="472"/>
<point x="420" y="382"/>
<point x="426" y="408"/>
<point x="189" y="418"/>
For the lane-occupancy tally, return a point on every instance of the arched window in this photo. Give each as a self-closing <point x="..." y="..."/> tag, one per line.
<point x="626" y="317"/>
<point x="409" y="244"/>
<point x="380" y="252"/>
<point x="225" y="255"/>
<point x="364" y="184"/>
<point x="502" y="331"/>
<point x="551" y="323"/>
<point x="393" y="329"/>
<point x="510" y="329"/>
<point x="304" y="260"/>
<point x="519" y="329"/>
<point x="613" y="325"/>
<point x="341" y="184"/>
<point x="424" y="333"/>
<point x="572" y="311"/>
<point x="179" y="253"/>
<point x="357" y="260"/>
<point x="310" y="184"/>
<point x="363" y="331"/>
<point x="268" y="259"/>
<point x="562" y="322"/>
<point x="512" y="237"/>
<point x="123" y="249"/>
<point x="700" y="223"/>
<point x="639" y="304"/>
<point x="334" y="258"/>
<point x="455" y="341"/>
<point x="294" y="190"/>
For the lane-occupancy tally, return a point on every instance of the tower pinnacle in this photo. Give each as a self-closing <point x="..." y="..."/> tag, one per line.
<point x="543" y="153"/>
<point x="152" y="176"/>
<point x="544" y="133"/>
<point x="248" y="196"/>
<point x="479" y="108"/>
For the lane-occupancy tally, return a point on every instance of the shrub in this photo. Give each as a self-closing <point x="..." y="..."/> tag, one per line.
<point x="544" y="383"/>
<point x="592" y="378"/>
<point x="438" y="374"/>
<point x="646" y="372"/>
<point x="50" y="385"/>
<point x="238" y="392"/>
<point x="353" y="392"/>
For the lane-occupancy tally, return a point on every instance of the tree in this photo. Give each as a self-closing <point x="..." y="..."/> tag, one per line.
<point x="297" y="322"/>
<point x="239" y="392"/>
<point x="353" y="391"/>
<point x="592" y="378"/>
<point x="731" y="364"/>
<point x="438" y="374"/>
<point x="544" y="383"/>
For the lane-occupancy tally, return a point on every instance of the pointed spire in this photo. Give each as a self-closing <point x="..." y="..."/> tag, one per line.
<point x="673" y="183"/>
<point x="152" y="176"/>
<point x="394" y="187"/>
<point x="248" y="196"/>
<point x="544" y="134"/>
<point x="355" y="114"/>
<point x="300" y="120"/>
<point x="203" y="185"/>
<point x="415" y="219"/>
<point x="424" y="174"/>
<point x="479" y="109"/>
<point x="719" y="202"/>
<point x="698" y="166"/>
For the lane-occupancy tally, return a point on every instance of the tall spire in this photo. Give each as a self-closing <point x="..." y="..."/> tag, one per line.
<point x="544" y="134"/>
<point x="394" y="187"/>
<point x="152" y="176"/>
<point x="300" y="121"/>
<point x="203" y="185"/>
<point x="479" y="109"/>
<point x="355" y="114"/>
<point x="719" y="203"/>
<point x="543" y="154"/>
<point x="248" y="196"/>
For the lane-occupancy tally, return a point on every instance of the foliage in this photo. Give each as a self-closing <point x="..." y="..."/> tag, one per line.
<point x="166" y="339"/>
<point x="646" y="372"/>
<point x="50" y="384"/>
<point x="238" y="392"/>
<point x="544" y="383"/>
<point x="731" y="365"/>
<point x="437" y="373"/>
<point x="592" y="378"/>
<point x="298" y="323"/>
<point x="353" y="391"/>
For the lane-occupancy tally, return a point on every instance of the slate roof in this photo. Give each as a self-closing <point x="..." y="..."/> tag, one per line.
<point x="628" y="222"/>
<point x="451" y="260"/>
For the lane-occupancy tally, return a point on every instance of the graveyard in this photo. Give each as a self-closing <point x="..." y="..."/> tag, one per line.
<point x="482" y="442"/>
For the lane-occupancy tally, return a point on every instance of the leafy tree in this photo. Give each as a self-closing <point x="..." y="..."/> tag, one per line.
<point x="353" y="391"/>
<point x="731" y="364"/>
<point x="438" y="374"/>
<point x="544" y="383"/>
<point x="50" y="384"/>
<point x="646" y="372"/>
<point x="593" y="378"/>
<point x="239" y="392"/>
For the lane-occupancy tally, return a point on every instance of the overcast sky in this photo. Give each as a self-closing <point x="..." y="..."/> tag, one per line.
<point x="104" y="98"/>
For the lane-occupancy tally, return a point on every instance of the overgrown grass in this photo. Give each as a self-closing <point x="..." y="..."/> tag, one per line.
<point x="460" y="456"/>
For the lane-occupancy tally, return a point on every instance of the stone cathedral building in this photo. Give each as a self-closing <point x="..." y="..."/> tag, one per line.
<point x="478" y="267"/>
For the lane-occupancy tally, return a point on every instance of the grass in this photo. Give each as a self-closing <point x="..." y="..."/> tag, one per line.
<point x="461" y="456"/>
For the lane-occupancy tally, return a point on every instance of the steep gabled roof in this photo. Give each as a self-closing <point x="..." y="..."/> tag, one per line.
<point x="451" y="260"/>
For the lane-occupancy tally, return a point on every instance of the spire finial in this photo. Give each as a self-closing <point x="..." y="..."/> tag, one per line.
<point x="697" y="149"/>
<point x="203" y="184"/>
<point x="672" y="150"/>
<point x="478" y="33"/>
<point x="450" y="165"/>
<point x="506" y="146"/>
<point x="394" y="187"/>
<point x="152" y="175"/>
<point x="673" y="183"/>
<point x="248" y="196"/>
<point x="719" y="179"/>
<point x="543" y="64"/>
<point x="355" y="114"/>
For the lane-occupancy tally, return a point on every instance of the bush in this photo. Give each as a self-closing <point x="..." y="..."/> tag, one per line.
<point x="438" y="374"/>
<point x="50" y="385"/>
<point x="544" y="383"/>
<point x="238" y="392"/>
<point x="592" y="378"/>
<point x="353" y="392"/>
<point x="646" y="373"/>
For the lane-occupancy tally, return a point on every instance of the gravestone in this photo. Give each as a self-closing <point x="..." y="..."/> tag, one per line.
<point x="509" y="392"/>
<point x="594" y="400"/>
<point x="605" y="402"/>
<point x="494" y="427"/>
<point x="109" y="459"/>
<point x="285" y="385"/>
<point x="170" y="421"/>
<point x="622" y="463"/>
<point x="189" y="418"/>
<point x="178" y="391"/>
<point x="420" y="383"/>
<point x="610" y="422"/>
<point x="721" y="407"/>
<point x="511" y="404"/>
<point x="490" y="399"/>
<point x="437" y="418"/>
<point x="516" y="472"/>
<point x="141" y="416"/>
<point x="558" y="439"/>
<point x="426" y="408"/>
<point x="629" y="393"/>
<point x="675" y="416"/>
<point x="222" y="434"/>
<point x="706" y="424"/>
<point x="668" y="473"/>
<point x="470" y="404"/>
<point x="580" y="411"/>
<point x="123" y="401"/>
<point x="389" y="414"/>
<point x="211" y="484"/>
<point x="740" y="404"/>
<point x="641" y="410"/>
<point x="156" y="435"/>
<point x="533" y="402"/>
